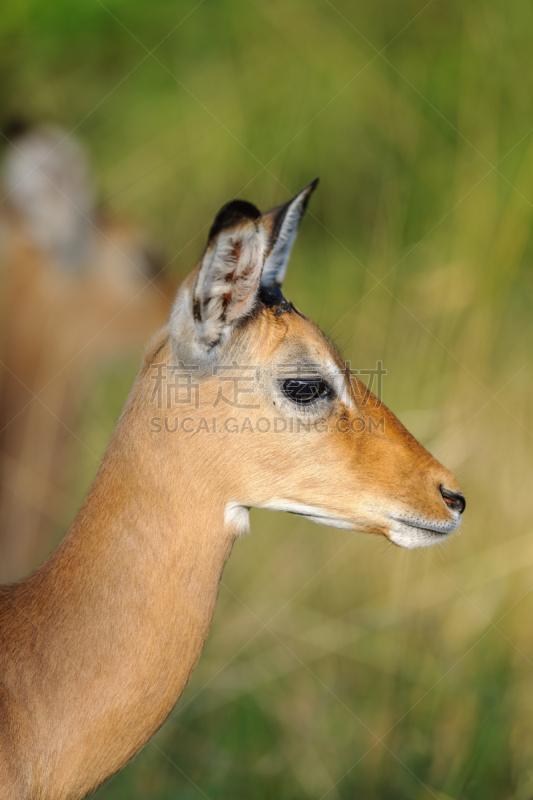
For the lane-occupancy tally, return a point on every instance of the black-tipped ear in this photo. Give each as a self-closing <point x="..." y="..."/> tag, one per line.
<point x="230" y="273"/>
<point x="232" y="214"/>
<point x="282" y="225"/>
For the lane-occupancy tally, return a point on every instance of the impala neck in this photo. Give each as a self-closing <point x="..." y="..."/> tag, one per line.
<point x="115" y="620"/>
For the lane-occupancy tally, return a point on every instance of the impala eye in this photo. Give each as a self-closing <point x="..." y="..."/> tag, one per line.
<point x="305" y="392"/>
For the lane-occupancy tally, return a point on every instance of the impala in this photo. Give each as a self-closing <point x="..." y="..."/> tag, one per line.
<point x="98" y="644"/>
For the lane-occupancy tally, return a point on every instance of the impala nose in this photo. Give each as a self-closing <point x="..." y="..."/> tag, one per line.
<point x="454" y="500"/>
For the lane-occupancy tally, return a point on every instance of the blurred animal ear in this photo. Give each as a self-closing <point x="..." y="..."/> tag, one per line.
<point x="282" y="225"/>
<point x="230" y="272"/>
<point x="46" y="178"/>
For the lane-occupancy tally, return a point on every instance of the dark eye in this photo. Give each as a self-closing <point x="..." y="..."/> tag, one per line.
<point x="305" y="392"/>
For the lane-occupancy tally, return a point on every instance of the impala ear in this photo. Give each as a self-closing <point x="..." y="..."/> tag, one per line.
<point x="230" y="273"/>
<point x="282" y="225"/>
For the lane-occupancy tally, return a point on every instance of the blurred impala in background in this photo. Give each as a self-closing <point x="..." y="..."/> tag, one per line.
<point x="78" y="288"/>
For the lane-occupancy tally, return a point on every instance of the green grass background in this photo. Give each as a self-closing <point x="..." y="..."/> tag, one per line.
<point x="379" y="673"/>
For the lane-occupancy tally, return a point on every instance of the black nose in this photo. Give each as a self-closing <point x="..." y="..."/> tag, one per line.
<point x="455" y="500"/>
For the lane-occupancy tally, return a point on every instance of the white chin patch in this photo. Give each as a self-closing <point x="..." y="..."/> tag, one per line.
<point x="410" y="537"/>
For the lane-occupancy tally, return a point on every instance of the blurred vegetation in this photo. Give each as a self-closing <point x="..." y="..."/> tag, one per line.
<point x="337" y="666"/>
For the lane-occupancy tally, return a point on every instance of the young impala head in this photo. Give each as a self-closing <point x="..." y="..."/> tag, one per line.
<point x="273" y="417"/>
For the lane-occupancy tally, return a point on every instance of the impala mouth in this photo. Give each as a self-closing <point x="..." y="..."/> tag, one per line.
<point x="412" y="533"/>
<point x="403" y="531"/>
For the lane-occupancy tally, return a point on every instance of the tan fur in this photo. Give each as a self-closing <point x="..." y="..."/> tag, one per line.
<point x="98" y="644"/>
